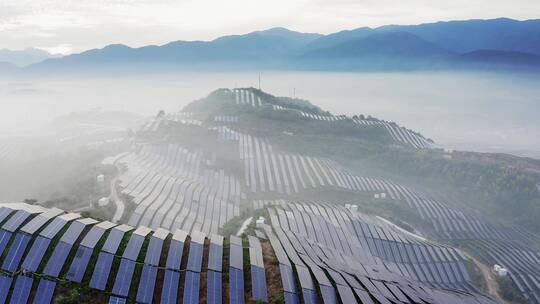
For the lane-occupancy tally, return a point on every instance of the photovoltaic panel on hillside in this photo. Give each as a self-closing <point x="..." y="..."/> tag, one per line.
<point x="38" y="221"/>
<point x="4" y="213"/>
<point x="153" y="253"/>
<point x="80" y="263"/>
<point x="236" y="285"/>
<point x="236" y="259"/>
<point x="192" y="287"/>
<point x="214" y="290"/>
<point x="22" y="289"/>
<point x="75" y="229"/>
<point x="45" y="292"/>
<point x="5" y="285"/>
<point x="169" y="292"/>
<point x="114" y="238"/>
<point x="94" y="235"/>
<point x="15" y="221"/>
<point x="135" y="243"/>
<point x="16" y="252"/>
<point x="36" y="253"/>
<point x="145" y="292"/>
<point x="124" y="277"/>
<point x="57" y="259"/>
<point x="101" y="271"/>
<point x="52" y="229"/>
<point x="196" y="247"/>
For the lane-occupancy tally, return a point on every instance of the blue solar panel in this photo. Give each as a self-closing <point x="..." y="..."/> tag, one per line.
<point x="214" y="288"/>
<point x="145" y="292"/>
<point x="215" y="257"/>
<point x="94" y="235"/>
<point x="174" y="256"/>
<point x="45" y="292"/>
<point x="287" y="278"/>
<point x="5" y="285"/>
<point x="291" y="298"/>
<point x="236" y="285"/>
<point x="123" y="277"/>
<point x="236" y="257"/>
<point x="169" y="293"/>
<point x="73" y="233"/>
<point x="21" y="291"/>
<point x="36" y="253"/>
<point x="328" y="294"/>
<point x="346" y="294"/>
<point x="154" y="251"/>
<point x="191" y="287"/>
<point x="311" y="297"/>
<point x="78" y="266"/>
<point x="117" y="300"/>
<point x="113" y="240"/>
<point x="4" y="212"/>
<point x="16" y="220"/>
<point x="101" y="271"/>
<point x="53" y="228"/>
<point x="258" y="284"/>
<point x="133" y="247"/>
<point x="195" y="257"/>
<point x="57" y="260"/>
<point x="5" y="236"/>
<point x="16" y="251"/>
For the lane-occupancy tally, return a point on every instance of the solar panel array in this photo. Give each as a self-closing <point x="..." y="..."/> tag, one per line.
<point x="310" y="268"/>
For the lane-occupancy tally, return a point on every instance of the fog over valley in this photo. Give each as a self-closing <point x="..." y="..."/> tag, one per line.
<point x="488" y="112"/>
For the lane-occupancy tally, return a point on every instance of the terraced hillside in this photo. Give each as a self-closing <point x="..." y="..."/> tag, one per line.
<point x="310" y="253"/>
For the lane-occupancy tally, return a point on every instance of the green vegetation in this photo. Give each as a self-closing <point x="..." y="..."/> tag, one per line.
<point x="509" y="291"/>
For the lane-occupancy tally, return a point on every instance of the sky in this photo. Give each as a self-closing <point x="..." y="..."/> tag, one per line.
<point x="71" y="26"/>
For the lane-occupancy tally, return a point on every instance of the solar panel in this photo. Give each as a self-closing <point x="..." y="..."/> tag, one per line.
<point x="114" y="238"/>
<point x="133" y="247"/>
<point x="36" y="253"/>
<point x="328" y="294"/>
<point x="214" y="289"/>
<point x="153" y="253"/>
<point x="57" y="224"/>
<point x="215" y="256"/>
<point x="363" y="296"/>
<point x="287" y="278"/>
<point x="236" y="256"/>
<point x="310" y="296"/>
<point x="195" y="257"/>
<point x="94" y="235"/>
<point x="5" y="236"/>
<point x="236" y="285"/>
<point x="45" y="292"/>
<point x="191" y="287"/>
<point x="101" y="271"/>
<point x="291" y="298"/>
<point x="57" y="259"/>
<point x="73" y="232"/>
<point x="145" y="292"/>
<point x="37" y="222"/>
<point x="16" y="251"/>
<point x="78" y="266"/>
<point x="117" y="300"/>
<point x="174" y="256"/>
<point x="346" y="294"/>
<point x="21" y="291"/>
<point x="258" y="284"/>
<point x="304" y="276"/>
<point x="169" y="293"/>
<point x="5" y="285"/>
<point x="123" y="277"/>
<point x="4" y="213"/>
<point x="15" y="221"/>
<point x="255" y="252"/>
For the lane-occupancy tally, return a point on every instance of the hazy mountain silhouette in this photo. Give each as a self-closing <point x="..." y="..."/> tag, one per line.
<point x="433" y="45"/>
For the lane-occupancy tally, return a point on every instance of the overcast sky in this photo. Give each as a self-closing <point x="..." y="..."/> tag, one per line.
<point x="68" y="26"/>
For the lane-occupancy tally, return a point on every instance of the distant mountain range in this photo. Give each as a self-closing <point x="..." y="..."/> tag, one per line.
<point x="472" y="44"/>
<point x="24" y="57"/>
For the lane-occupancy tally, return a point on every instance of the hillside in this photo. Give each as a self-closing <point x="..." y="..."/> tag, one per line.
<point x="328" y="208"/>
